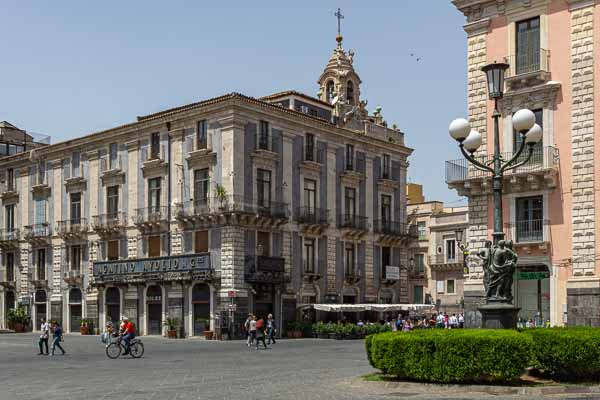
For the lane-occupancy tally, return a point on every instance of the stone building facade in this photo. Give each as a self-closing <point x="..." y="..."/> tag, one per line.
<point x="208" y="211"/>
<point x="549" y="205"/>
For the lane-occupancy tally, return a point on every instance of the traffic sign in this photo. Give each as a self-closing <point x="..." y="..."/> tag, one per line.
<point x="232" y="293"/>
<point x="232" y="307"/>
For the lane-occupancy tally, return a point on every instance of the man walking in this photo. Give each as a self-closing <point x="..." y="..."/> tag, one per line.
<point x="45" y="329"/>
<point x="57" y="337"/>
<point x="260" y="332"/>
<point x="271" y="328"/>
<point x="247" y="329"/>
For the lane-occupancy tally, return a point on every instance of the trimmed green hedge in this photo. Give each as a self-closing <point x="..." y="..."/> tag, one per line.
<point x="451" y="355"/>
<point x="566" y="354"/>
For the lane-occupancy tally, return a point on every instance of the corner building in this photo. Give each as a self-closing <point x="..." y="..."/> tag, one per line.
<point x="549" y="205"/>
<point x="211" y="210"/>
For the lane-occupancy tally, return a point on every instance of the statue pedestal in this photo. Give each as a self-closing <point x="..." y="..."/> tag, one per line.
<point x="499" y="316"/>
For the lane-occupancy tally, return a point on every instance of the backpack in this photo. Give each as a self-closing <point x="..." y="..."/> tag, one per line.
<point x="260" y="324"/>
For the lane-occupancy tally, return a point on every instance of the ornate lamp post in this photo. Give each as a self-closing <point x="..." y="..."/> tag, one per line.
<point x="499" y="260"/>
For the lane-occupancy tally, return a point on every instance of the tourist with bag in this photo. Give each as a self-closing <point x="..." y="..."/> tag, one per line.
<point x="57" y="337"/>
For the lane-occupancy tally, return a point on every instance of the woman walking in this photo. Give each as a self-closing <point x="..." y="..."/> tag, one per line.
<point x="57" y="337"/>
<point x="260" y="332"/>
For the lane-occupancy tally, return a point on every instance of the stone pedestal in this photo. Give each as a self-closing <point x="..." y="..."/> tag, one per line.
<point x="499" y="316"/>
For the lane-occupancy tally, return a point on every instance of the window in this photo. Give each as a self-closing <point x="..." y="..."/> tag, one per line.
<point x="3" y="149"/>
<point x="113" y="250"/>
<point x="154" y="246"/>
<point x="112" y="201"/>
<point x="350" y="203"/>
<point x="75" y="208"/>
<point x="310" y="195"/>
<point x="201" y="187"/>
<point x="528" y="45"/>
<point x="349" y="259"/>
<point x="330" y="89"/>
<point x="201" y="242"/>
<point x="386" y="260"/>
<point x="10" y="267"/>
<point x="421" y="230"/>
<point x="263" y="188"/>
<point x="41" y="174"/>
<point x="263" y="244"/>
<point x="537" y="155"/>
<point x="309" y="147"/>
<point x="112" y="155"/>
<point x="263" y="136"/>
<point x="75" y="258"/>
<point x="41" y="264"/>
<point x="386" y="210"/>
<point x="40" y="211"/>
<point x="75" y="164"/>
<point x="450" y="250"/>
<point x="155" y="146"/>
<point x="417" y="294"/>
<point x="154" y="195"/>
<point x="440" y="287"/>
<point x="350" y="92"/>
<point x="530" y="216"/>
<point x="386" y="167"/>
<point x="9" y="218"/>
<point x="450" y="286"/>
<point x="309" y="255"/>
<point x="350" y="157"/>
<point x="201" y="134"/>
<point x="10" y="180"/>
<point x="419" y="263"/>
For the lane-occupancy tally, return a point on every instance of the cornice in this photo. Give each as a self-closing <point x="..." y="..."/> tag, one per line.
<point x="478" y="27"/>
<point x="578" y="4"/>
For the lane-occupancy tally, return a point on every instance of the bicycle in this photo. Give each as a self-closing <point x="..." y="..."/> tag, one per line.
<point x="115" y="349"/>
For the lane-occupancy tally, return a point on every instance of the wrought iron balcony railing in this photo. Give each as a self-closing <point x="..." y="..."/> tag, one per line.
<point x="529" y="61"/>
<point x="529" y="231"/>
<point x="352" y="221"/>
<point x="72" y="226"/>
<point x="312" y="215"/>
<point x="443" y="259"/>
<point x="37" y="231"/>
<point x="542" y="159"/>
<point x="9" y="235"/>
<point x="109" y="221"/>
<point x="387" y="227"/>
<point x="151" y="215"/>
<point x="352" y="273"/>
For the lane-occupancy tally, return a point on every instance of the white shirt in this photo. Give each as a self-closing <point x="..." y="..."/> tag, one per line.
<point x="252" y="326"/>
<point x="461" y="318"/>
<point x="453" y="320"/>
<point x="45" y="328"/>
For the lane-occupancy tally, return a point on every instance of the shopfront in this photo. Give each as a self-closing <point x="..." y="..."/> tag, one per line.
<point x="112" y="304"/>
<point x="532" y="292"/>
<point x="266" y="276"/>
<point x="75" y="311"/>
<point x="201" y="308"/>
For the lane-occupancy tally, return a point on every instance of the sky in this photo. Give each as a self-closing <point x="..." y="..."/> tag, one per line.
<point x="69" y="68"/>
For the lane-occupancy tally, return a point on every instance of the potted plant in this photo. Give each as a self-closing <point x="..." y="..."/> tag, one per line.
<point x="208" y="334"/>
<point x="171" y="324"/>
<point x="221" y="193"/>
<point x="84" y="327"/>
<point x="339" y="331"/>
<point x="331" y="330"/>
<point x="18" y="319"/>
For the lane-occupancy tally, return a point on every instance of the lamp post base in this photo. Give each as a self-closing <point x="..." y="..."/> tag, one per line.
<point x="499" y="316"/>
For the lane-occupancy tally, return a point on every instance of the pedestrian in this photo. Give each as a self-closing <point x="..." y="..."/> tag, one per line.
<point x="453" y="322"/>
<point x="252" y="330"/>
<point x="57" y="337"/>
<point x="439" y="320"/>
<point x="260" y="332"/>
<point x="394" y="326"/>
<point x="249" y="339"/>
<point x="446" y="321"/>
<point x="45" y="330"/>
<point x="271" y="328"/>
<point x="461" y="321"/>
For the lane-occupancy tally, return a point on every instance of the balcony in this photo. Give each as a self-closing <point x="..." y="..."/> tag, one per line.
<point x="312" y="163"/>
<point x="417" y="274"/>
<point x="540" y="173"/>
<point x="264" y="270"/>
<point x="7" y="278"/>
<point x="155" y="162"/>
<point x="152" y="218"/>
<point x="528" y="232"/>
<point x="72" y="228"/>
<point x="354" y="226"/>
<point x="352" y="274"/>
<point x="8" y="191"/>
<point x="197" y="214"/>
<point x="40" y="281"/>
<point x="394" y="232"/>
<point x="312" y="220"/>
<point x="108" y="224"/>
<point x="310" y="271"/>
<point x="38" y="234"/>
<point x="9" y="238"/>
<point x="391" y="275"/>
<point x="527" y="69"/>
<point x="441" y="262"/>
<point x="73" y="277"/>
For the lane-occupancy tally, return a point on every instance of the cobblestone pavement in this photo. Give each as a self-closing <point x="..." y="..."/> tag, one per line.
<point x="197" y="369"/>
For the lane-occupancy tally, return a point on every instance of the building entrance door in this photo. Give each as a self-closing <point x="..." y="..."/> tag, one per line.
<point x="113" y="305"/>
<point x="9" y="303"/>
<point x="40" y="308"/>
<point x="154" y="307"/>
<point x="75" y="311"/>
<point x="532" y="293"/>
<point x="264" y="300"/>
<point x="201" y="307"/>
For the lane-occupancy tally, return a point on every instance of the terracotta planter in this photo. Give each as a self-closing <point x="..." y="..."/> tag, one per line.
<point x="208" y="335"/>
<point x="19" y="327"/>
<point x="172" y="333"/>
<point x="297" y="334"/>
<point x="84" y="330"/>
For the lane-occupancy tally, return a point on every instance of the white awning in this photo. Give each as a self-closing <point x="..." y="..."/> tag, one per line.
<point x="371" y="307"/>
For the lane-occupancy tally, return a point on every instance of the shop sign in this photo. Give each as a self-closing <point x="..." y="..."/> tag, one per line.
<point x="527" y="276"/>
<point x="172" y="267"/>
<point x="392" y="273"/>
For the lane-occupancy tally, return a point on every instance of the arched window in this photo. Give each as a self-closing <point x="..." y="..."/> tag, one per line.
<point x="40" y="296"/>
<point x="113" y="296"/>
<point x="350" y="92"/>
<point x="201" y="293"/>
<point x="329" y="91"/>
<point x="75" y="296"/>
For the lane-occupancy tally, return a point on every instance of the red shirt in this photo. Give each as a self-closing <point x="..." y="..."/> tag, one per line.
<point x="128" y="328"/>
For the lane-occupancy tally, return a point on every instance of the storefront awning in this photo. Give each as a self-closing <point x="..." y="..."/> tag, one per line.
<point x="371" y="307"/>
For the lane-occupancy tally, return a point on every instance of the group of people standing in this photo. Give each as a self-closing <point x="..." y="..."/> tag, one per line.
<point x="257" y="329"/>
<point x="55" y="329"/>
<point x="441" y="320"/>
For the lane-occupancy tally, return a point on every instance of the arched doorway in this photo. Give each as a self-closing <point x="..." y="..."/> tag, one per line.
<point x="9" y="302"/>
<point x="74" y="310"/>
<point x="201" y="308"/>
<point x="40" y="299"/>
<point x="112" y="302"/>
<point x="154" y="307"/>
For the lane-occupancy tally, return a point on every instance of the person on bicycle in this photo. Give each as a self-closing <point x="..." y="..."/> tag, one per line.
<point x="128" y="332"/>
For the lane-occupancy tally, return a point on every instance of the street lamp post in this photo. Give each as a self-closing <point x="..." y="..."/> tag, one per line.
<point x="499" y="260"/>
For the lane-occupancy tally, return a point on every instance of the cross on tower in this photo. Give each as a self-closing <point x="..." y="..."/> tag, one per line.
<point x="340" y="17"/>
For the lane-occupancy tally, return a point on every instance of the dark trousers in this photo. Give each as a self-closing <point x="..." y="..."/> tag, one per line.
<point x="56" y="343"/>
<point x="271" y="332"/>
<point x="260" y="337"/>
<point x="43" y="341"/>
<point x="126" y="339"/>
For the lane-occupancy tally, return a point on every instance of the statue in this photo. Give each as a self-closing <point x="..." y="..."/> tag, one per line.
<point x="499" y="264"/>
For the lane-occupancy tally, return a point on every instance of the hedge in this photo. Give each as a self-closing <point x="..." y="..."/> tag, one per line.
<point x="566" y="354"/>
<point x="451" y="355"/>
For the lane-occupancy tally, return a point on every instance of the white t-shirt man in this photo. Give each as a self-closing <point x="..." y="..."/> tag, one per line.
<point x="44" y="330"/>
<point x="453" y="321"/>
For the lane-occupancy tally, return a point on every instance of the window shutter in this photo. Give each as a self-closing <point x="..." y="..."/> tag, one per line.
<point x="188" y="241"/>
<point x="123" y="250"/>
<point x="67" y="169"/>
<point x="103" y="250"/>
<point x="144" y="247"/>
<point x="164" y="242"/>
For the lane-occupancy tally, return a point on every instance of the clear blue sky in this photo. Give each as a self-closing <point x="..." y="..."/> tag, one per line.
<point x="73" y="67"/>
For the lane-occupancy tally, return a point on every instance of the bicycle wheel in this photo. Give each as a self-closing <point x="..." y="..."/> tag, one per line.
<point x="136" y="350"/>
<point x="113" y="350"/>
